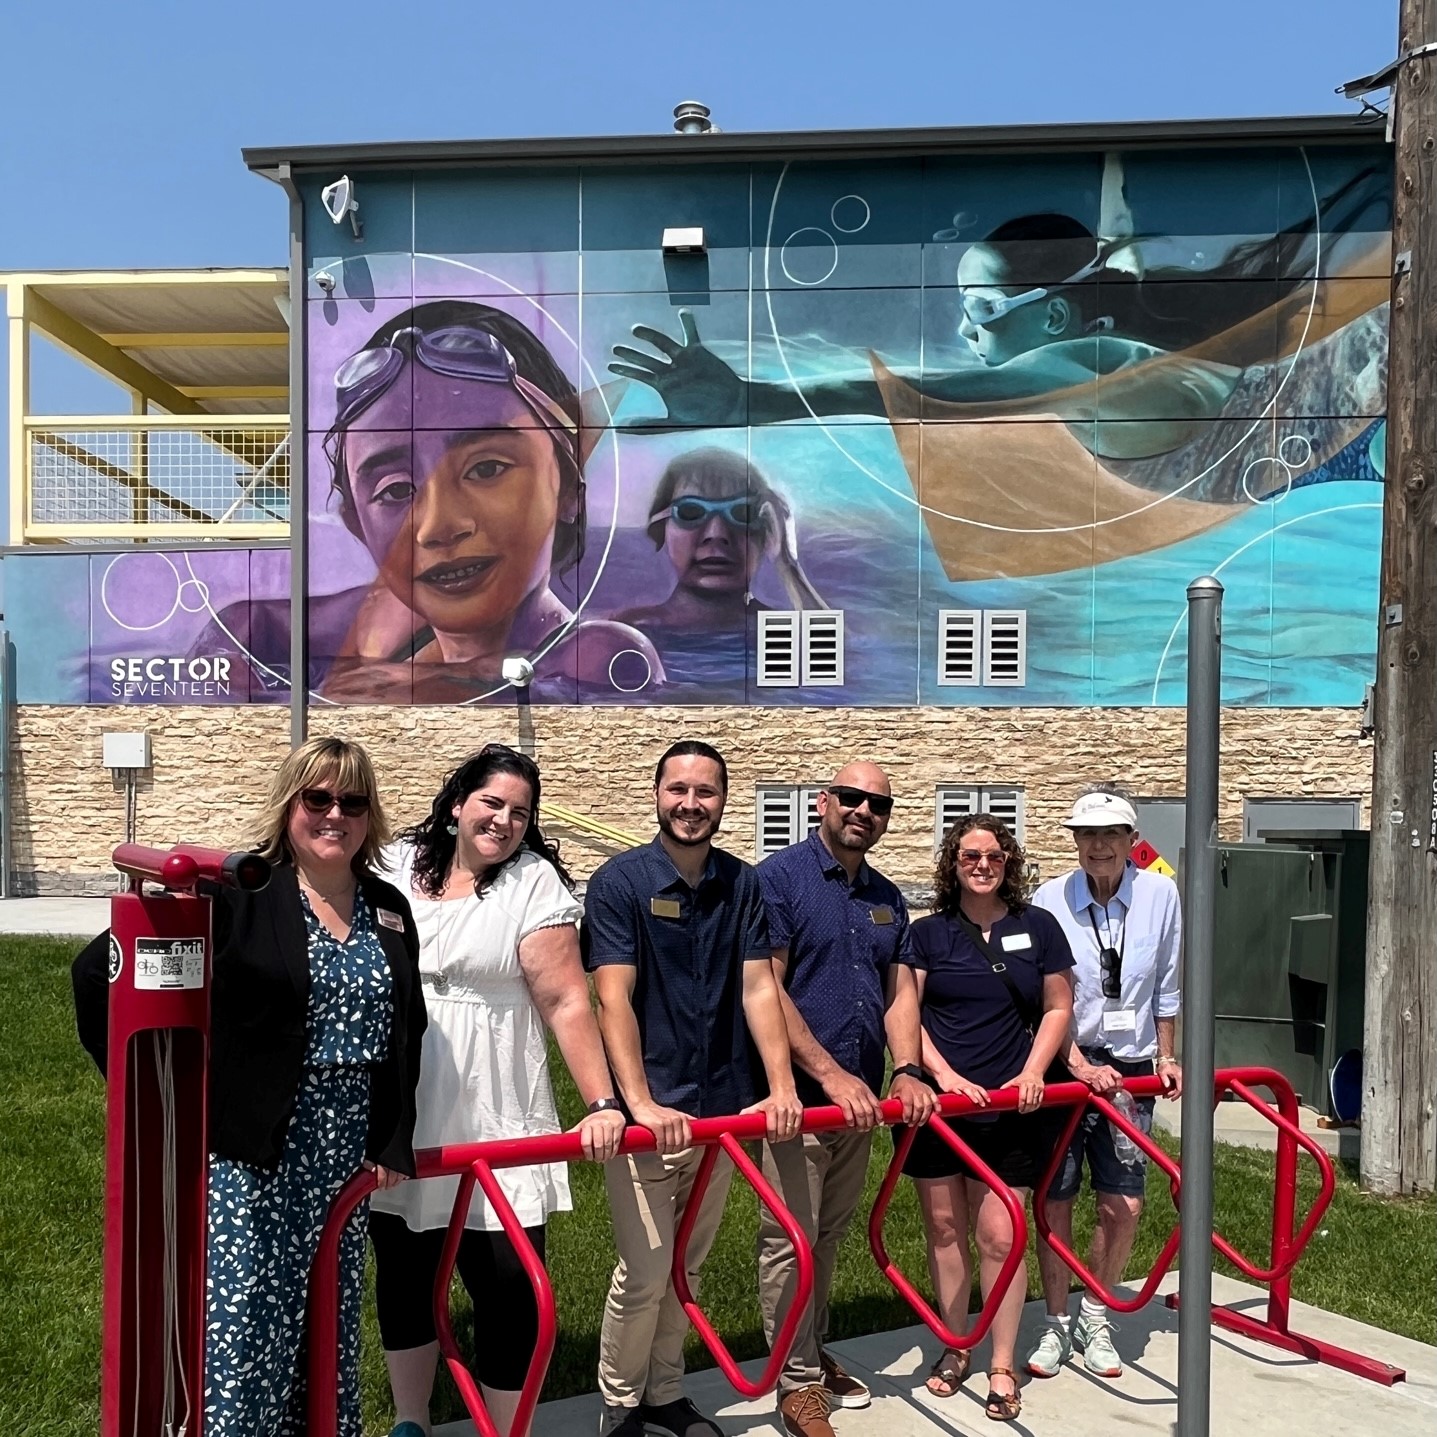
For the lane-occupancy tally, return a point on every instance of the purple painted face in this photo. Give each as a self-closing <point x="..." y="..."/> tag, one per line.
<point x="459" y="511"/>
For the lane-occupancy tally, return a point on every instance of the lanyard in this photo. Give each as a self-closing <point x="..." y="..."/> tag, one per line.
<point x="1122" y="942"/>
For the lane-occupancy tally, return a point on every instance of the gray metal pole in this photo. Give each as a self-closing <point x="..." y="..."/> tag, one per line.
<point x="1199" y="896"/>
<point x="298" y="461"/>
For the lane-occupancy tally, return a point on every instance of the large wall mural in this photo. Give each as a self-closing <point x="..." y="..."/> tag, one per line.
<point x="945" y="431"/>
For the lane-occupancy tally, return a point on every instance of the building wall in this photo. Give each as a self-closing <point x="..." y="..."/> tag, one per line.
<point x="211" y="768"/>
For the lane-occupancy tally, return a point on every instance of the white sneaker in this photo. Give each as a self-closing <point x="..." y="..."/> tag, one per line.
<point x="1091" y="1338"/>
<point x="1054" y="1348"/>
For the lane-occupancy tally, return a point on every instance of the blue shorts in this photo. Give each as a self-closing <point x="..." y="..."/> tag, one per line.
<point x="1093" y="1140"/>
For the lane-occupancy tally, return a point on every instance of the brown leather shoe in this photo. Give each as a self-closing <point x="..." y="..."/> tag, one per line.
<point x="805" y="1412"/>
<point x="844" y="1389"/>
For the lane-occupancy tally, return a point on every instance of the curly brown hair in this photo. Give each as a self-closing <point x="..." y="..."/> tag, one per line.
<point x="948" y="892"/>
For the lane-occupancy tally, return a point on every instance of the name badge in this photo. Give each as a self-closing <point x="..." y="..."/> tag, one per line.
<point x="666" y="908"/>
<point x="389" y="920"/>
<point x="1015" y="942"/>
<point x="1120" y="1020"/>
<point x="882" y="915"/>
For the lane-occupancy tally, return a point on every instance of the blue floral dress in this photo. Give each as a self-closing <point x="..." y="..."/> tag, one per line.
<point x="264" y="1224"/>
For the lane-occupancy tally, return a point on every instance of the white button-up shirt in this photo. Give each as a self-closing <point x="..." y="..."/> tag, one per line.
<point x="1143" y="921"/>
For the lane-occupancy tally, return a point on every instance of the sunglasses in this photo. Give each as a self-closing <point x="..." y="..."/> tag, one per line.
<point x="455" y="352"/>
<point x="880" y="805"/>
<point x="693" y="512"/>
<point x="1111" y="963"/>
<point x="320" y="800"/>
<point x="972" y="857"/>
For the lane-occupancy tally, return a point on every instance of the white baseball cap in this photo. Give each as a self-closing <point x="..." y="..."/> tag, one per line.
<point x="1101" y="810"/>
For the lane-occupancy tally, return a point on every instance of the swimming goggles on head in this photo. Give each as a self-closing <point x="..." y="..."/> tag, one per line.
<point x="455" y="352"/>
<point x="693" y="512"/>
<point x="986" y="309"/>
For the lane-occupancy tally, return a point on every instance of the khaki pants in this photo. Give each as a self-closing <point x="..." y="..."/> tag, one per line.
<point x="820" y="1178"/>
<point x="641" y="1343"/>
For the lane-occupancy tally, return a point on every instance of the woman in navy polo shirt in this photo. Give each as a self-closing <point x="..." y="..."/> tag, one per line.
<point x="984" y="1030"/>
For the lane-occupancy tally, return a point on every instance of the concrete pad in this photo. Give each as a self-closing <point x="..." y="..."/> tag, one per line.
<point x="1257" y="1391"/>
<point x="84" y="917"/>
<point x="1243" y="1126"/>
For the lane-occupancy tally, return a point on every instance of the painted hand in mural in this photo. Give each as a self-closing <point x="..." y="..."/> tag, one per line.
<point x="697" y="387"/>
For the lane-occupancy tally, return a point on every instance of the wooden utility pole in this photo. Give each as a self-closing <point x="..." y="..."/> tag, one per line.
<point x="1399" y="1121"/>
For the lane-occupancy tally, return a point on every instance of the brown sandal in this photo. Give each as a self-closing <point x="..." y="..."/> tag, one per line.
<point x="950" y="1374"/>
<point x="1002" y="1406"/>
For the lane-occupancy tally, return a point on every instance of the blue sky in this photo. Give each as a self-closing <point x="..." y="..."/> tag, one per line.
<point x="123" y="125"/>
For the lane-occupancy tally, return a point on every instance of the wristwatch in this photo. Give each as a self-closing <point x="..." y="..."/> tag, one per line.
<point x="909" y="1070"/>
<point x="606" y="1105"/>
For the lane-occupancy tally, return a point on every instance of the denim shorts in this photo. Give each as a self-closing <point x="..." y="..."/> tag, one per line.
<point x="1093" y="1140"/>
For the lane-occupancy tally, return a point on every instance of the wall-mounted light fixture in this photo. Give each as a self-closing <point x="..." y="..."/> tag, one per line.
<point x="340" y="201"/>
<point x="684" y="241"/>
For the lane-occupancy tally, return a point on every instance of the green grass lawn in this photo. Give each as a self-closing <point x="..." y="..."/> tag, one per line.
<point x="1376" y="1260"/>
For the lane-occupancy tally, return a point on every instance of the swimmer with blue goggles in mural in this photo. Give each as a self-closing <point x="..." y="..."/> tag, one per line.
<point x="465" y="484"/>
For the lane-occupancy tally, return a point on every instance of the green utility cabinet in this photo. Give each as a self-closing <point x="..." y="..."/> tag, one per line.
<point x="1289" y="955"/>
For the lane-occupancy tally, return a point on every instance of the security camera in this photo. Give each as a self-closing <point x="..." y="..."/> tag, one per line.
<point x="339" y="201"/>
<point x="325" y="281"/>
<point x="517" y="671"/>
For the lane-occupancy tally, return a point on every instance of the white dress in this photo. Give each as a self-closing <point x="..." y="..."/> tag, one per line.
<point x="485" y="1070"/>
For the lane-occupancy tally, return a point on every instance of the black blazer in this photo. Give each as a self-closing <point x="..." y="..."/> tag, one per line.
<point x="258" y="1011"/>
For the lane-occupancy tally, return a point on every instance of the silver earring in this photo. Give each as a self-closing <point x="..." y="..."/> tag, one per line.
<point x="451" y="829"/>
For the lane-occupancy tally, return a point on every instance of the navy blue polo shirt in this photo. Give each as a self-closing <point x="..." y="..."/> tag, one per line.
<point x="840" y="937"/>
<point x="968" y="1011"/>
<point x="689" y="946"/>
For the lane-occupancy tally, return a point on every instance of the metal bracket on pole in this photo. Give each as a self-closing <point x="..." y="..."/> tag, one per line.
<point x="1199" y="898"/>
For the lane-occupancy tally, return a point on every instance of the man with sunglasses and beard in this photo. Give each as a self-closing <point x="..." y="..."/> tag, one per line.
<point x="676" y="938"/>
<point x="1124" y="925"/>
<point x="840" y="936"/>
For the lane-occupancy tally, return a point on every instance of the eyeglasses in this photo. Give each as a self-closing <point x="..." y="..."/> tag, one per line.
<point x="455" y="352"/>
<point x="972" y="857"/>
<point x="693" y="512"/>
<point x="1111" y="963"/>
<point x="320" y="800"/>
<point x="880" y="805"/>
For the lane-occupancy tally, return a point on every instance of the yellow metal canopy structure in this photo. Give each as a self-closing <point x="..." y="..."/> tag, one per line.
<point x="188" y="346"/>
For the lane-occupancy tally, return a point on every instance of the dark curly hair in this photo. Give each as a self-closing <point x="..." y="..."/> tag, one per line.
<point x="948" y="892"/>
<point x="434" y="845"/>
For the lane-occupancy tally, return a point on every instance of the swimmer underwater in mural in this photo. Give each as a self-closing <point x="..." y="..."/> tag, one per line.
<point x="466" y="486"/>
<point x="716" y="519"/>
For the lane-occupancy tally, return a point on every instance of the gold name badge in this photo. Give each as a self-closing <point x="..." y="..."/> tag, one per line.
<point x="665" y="908"/>
<point x="881" y="916"/>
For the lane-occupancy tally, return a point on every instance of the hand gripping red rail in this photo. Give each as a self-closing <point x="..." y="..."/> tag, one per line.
<point x="475" y="1163"/>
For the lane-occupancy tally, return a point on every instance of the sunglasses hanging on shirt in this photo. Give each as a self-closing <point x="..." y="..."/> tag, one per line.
<point x="1110" y="959"/>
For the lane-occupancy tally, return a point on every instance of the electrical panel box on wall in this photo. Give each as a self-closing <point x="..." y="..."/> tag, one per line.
<point x="126" y="750"/>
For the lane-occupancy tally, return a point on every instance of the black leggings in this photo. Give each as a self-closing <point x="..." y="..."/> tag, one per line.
<point x="506" y="1320"/>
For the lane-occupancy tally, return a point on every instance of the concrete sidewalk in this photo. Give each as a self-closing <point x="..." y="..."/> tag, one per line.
<point x="1257" y="1391"/>
<point x="1240" y="1124"/>
<point x="62" y="917"/>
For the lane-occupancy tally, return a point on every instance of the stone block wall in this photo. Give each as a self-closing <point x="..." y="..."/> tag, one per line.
<point x="212" y="766"/>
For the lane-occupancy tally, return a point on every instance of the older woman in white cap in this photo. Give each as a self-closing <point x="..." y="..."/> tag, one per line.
<point x="1124" y="925"/>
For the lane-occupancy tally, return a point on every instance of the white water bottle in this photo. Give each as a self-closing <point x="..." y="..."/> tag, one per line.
<point x="1129" y="1153"/>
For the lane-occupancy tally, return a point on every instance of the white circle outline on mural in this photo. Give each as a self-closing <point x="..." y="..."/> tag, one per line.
<point x="1295" y="464"/>
<point x="140" y="628"/>
<point x="783" y="257"/>
<point x="201" y="588"/>
<point x="850" y="229"/>
<point x="1289" y="467"/>
<point x="648" y="672"/>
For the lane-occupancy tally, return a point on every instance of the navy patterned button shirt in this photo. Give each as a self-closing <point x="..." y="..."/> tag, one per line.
<point x="840" y="940"/>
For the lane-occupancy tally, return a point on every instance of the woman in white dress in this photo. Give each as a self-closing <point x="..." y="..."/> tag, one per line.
<point x="499" y="960"/>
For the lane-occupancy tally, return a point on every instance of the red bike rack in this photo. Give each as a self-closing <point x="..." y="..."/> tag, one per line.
<point x="959" y="1341"/>
<point x="475" y="1163"/>
<point x="803" y="1254"/>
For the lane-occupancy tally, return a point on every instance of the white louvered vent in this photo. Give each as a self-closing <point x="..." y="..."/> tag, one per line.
<point x="957" y="801"/>
<point x="1005" y="647"/>
<point x="822" y="646"/>
<point x="778" y="632"/>
<point x="960" y="633"/>
<point x="785" y="814"/>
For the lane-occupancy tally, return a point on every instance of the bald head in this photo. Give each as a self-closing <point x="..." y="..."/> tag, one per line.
<point x="847" y="823"/>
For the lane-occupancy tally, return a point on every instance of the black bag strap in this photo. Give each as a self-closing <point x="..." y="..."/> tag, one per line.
<point x="1000" y="969"/>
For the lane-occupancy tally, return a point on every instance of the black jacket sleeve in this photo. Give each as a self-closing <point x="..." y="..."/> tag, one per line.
<point x="90" y="979"/>
<point x="396" y="1150"/>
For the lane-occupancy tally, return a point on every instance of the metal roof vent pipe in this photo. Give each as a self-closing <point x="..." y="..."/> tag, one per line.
<point x="692" y="118"/>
